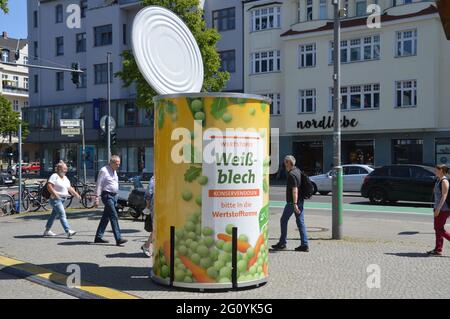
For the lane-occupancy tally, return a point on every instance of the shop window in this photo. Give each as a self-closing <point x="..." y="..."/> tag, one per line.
<point x="309" y="156"/>
<point x="443" y="151"/>
<point x="407" y="151"/>
<point x="358" y="152"/>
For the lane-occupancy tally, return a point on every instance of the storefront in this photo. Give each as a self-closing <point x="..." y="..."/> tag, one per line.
<point x="358" y="152"/>
<point x="442" y="151"/>
<point x="309" y="156"/>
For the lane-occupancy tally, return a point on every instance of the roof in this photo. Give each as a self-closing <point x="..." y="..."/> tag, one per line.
<point x="444" y="12"/>
<point x="11" y="43"/>
<point x="362" y="21"/>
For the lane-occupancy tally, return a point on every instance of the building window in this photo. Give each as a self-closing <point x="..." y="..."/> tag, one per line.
<point x="266" y="18"/>
<point x="81" y="42"/>
<point x="83" y="7"/>
<point x="35" y="19"/>
<point x="124" y="34"/>
<point x="361" y="8"/>
<point x="59" y="16"/>
<point x="356" y="50"/>
<point x="266" y="61"/>
<point x="307" y="55"/>
<point x="103" y="35"/>
<point x="16" y="81"/>
<point x="323" y="13"/>
<point x="26" y="83"/>
<point x="25" y="104"/>
<point x="406" y="43"/>
<point x="83" y="80"/>
<point x="59" y="81"/>
<point x="35" y="48"/>
<point x="228" y="59"/>
<point x="275" y="106"/>
<point x="101" y="73"/>
<point x="224" y="19"/>
<point x="307" y="101"/>
<point x="36" y="83"/>
<point x="16" y="105"/>
<point x="358" y="97"/>
<point x="406" y="93"/>
<point x="59" y="46"/>
<point x="5" y="55"/>
<point x="25" y="60"/>
<point x="442" y="151"/>
<point x="407" y="151"/>
<point x="309" y="10"/>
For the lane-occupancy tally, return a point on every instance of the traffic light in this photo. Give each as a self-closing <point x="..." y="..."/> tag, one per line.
<point x="76" y="75"/>
<point x="113" y="138"/>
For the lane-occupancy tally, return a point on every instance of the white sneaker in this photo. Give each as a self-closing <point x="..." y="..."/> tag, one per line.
<point x="49" y="233"/>
<point x="71" y="233"/>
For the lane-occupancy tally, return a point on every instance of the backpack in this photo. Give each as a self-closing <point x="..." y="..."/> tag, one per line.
<point x="306" y="187"/>
<point x="447" y="200"/>
<point x="45" y="192"/>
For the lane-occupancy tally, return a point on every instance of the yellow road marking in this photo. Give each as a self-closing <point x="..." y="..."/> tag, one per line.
<point x="61" y="279"/>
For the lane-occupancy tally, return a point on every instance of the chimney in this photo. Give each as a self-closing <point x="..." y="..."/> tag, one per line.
<point x="5" y="35"/>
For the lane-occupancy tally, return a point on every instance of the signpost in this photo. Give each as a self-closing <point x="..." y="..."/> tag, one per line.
<point x="73" y="128"/>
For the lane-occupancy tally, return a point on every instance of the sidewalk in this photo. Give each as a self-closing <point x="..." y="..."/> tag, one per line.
<point x="333" y="269"/>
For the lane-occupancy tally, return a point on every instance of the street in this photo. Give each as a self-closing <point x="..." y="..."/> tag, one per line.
<point x="392" y="239"/>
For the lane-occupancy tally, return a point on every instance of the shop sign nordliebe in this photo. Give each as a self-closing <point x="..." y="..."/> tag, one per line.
<point x="326" y="122"/>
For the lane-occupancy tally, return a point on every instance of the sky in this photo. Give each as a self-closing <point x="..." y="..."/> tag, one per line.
<point x="15" y="22"/>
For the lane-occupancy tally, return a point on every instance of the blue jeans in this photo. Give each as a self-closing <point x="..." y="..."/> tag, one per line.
<point x="299" y="219"/>
<point x="58" y="212"/>
<point x="109" y="215"/>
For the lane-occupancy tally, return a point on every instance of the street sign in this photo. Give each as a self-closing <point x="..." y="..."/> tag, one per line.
<point x="69" y="123"/>
<point x="70" y="131"/>
<point x="112" y="123"/>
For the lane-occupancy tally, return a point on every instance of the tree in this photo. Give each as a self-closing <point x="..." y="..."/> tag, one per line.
<point x="189" y="11"/>
<point x="4" y="6"/>
<point x="9" y="121"/>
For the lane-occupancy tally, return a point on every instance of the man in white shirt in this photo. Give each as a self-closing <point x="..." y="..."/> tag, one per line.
<point x="107" y="189"/>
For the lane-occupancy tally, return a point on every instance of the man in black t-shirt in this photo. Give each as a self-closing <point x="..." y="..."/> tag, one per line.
<point x="294" y="204"/>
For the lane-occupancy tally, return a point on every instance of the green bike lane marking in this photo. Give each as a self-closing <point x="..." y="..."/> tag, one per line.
<point x="363" y="208"/>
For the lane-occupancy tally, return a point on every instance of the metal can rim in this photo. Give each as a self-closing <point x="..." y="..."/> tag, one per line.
<point x="214" y="94"/>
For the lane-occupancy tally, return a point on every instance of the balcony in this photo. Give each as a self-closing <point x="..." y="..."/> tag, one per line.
<point x="9" y="87"/>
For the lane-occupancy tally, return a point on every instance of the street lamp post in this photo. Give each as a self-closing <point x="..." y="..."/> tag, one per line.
<point x="108" y="130"/>
<point x="337" y="176"/>
<point x="19" y="196"/>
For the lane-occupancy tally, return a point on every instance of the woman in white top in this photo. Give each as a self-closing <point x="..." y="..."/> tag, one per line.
<point x="59" y="188"/>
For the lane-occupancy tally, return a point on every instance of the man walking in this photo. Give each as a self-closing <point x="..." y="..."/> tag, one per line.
<point x="294" y="205"/>
<point x="107" y="188"/>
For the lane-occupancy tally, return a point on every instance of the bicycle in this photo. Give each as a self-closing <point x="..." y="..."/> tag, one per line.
<point x="86" y="192"/>
<point x="32" y="199"/>
<point x="7" y="205"/>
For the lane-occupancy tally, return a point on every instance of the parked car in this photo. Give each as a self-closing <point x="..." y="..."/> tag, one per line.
<point x="353" y="177"/>
<point x="7" y="179"/>
<point x="33" y="167"/>
<point x="394" y="183"/>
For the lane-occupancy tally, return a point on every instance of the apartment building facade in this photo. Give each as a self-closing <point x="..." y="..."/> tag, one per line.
<point x="395" y="97"/>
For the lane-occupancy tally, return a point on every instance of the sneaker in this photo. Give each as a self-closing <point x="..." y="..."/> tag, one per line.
<point x="49" y="233"/>
<point x="146" y="251"/>
<point x="278" y="246"/>
<point x="71" y="233"/>
<point x="100" y="241"/>
<point x="120" y="242"/>
<point x="302" y="248"/>
<point x="434" y="253"/>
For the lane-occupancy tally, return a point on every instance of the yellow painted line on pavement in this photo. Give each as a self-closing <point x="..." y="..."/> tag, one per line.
<point x="60" y="279"/>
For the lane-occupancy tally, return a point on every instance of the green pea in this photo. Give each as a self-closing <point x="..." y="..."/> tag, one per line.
<point x="225" y="272"/>
<point x="263" y="248"/>
<point x="188" y="242"/>
<point x="208" y="241"/>
<point x="179" y="275"/>
<point x="252" y="111"/>
<point x="205" y="262"/>
<point x="197" y="214"/>
<point x="225" y="257"/>
<point x="203" y="180"/>
<point x="192" y="235"/>
<point x="243" y="237"/>
<point x="195" y="258"/>
<point x="259" y="262"/>
<point x="240" y="257"/>
<point x="179" y="233"/>
<point x="202" y="250"/>
<point x="259" y="269"/>
<point x="214" y="254"/>
<point x="190" y="226"/>
<point x="219" y="264"/>
<point x="198" y="200"/>
<point x="228" y="264"/>
<point x="188" y="279"/>
<point x="220" y="243"/>
<point x="162" y="259"/>
<point x="182" y="250"/>
<point x="227" y="117"/>
<point x="224" y="280"/>
<point x="196" y="106"/>
<point x="193" y="246"/>
<point x="250" y="252"/>
<point x="165" y="271"/>
<point x="198" y="230"/>
<point x="229" y="229"/>
<point x="188" y="273"/>
<point x="187" y="195"/>
<point x="252" y="270"/>
<point x="242" y="265"/>
<point x="228" y="246"/>
<point x="200" y="116"/>
<point x="212" y="272"/>
<point x="207" y="231"/>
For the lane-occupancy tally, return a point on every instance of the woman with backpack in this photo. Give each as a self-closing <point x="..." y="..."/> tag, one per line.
<point x="58" y="185"/>
<point x="441" y="208"/>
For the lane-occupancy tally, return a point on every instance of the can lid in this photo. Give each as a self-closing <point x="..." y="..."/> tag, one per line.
<point x="166" y="52"/>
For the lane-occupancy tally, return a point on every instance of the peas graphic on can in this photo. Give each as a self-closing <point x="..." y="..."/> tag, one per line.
<point x="211" y="159"/>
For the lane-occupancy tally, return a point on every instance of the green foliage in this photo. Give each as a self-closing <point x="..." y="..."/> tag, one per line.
<point x="192" y="15"/>
<point x="4" y="6"/>
<point x="9" y="120"/>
